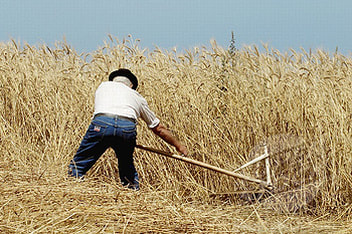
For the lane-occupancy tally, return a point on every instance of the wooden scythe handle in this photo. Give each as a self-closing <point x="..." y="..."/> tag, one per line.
<point x="202" y="164"/>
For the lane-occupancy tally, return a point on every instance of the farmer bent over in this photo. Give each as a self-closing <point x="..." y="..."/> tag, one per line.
<point x="117" y="107"/>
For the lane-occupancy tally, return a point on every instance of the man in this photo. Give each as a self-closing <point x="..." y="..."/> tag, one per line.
<point x="117" y="107"/>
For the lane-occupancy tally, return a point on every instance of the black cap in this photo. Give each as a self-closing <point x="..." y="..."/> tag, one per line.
<point x="126" y="73"/>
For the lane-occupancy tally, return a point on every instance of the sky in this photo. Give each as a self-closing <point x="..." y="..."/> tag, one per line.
<point x="184" y="24"/>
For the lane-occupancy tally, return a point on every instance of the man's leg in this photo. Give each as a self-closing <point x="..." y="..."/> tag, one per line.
<point x="89" y="151"/>
<point x="127" y="171"/>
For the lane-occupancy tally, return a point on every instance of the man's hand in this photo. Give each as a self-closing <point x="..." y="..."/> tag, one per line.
<point x="183" y="150"/>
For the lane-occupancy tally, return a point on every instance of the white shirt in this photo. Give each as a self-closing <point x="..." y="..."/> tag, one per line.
<point x="119" y="99"/>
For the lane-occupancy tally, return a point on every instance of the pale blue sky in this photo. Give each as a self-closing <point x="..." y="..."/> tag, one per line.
<point x="183" y="24"/>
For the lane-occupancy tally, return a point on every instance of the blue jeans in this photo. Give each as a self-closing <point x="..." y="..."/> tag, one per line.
<point x="104" y="132"/>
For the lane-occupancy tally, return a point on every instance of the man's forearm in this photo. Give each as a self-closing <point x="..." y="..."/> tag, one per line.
<point x="166" y="135"/>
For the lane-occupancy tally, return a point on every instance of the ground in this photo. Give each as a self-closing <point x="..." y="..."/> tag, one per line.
<point x="34" y="203"/>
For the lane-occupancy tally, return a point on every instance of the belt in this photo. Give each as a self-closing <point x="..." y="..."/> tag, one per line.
<point x="115" y="117"/>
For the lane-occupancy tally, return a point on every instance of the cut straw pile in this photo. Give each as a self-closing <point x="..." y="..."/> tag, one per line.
<point x="223" y="106"/>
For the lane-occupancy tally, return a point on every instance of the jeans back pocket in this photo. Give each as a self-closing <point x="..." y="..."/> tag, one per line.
<point x="129" y="132"/>
<point x="96" y="131"/>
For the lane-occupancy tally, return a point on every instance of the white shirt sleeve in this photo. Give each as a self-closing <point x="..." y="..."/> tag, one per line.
<point x="148" y="116"/>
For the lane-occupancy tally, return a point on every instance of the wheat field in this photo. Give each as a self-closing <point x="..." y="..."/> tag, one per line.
<point x="224" y="106"/>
